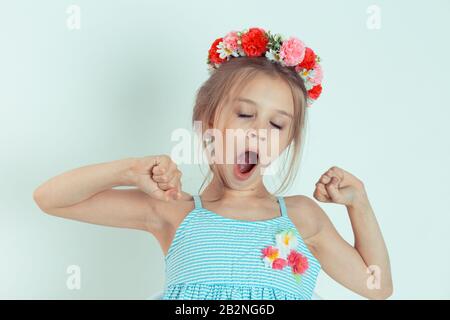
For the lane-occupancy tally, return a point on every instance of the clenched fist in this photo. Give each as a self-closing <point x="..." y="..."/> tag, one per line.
<point x="158" y="176"/>
<point x="339" y="186"/>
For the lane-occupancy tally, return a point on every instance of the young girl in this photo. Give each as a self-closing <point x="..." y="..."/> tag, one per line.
<point x="236" y="240"/>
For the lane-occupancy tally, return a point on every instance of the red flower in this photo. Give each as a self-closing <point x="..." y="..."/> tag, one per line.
<point x="213" y="55"/>
<point x="270" y="252"/>
<point x="298" y="262"/>
<point x="315" y="92"/>
<point x="292" y="257"/>
<point x="254" y="42"/>
<point x="279" y="263"/>
<point x="309" y="61"/>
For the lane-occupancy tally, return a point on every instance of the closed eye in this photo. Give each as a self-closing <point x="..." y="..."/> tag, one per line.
<point x="242" y="115"/>
<point x="276" y="126"/>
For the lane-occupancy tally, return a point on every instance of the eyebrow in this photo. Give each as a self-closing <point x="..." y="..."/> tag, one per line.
<point x="255" y="104"/>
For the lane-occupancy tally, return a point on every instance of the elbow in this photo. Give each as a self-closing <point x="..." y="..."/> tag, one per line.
<point x="39" y="198"/>
<point x="381" y="294"/>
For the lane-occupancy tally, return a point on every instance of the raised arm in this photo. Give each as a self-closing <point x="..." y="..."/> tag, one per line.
<point x="364" y="267"/>
<point x="87" y="193"/>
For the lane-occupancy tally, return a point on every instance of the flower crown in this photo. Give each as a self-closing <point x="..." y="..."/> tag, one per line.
<point x="256" y="42"/>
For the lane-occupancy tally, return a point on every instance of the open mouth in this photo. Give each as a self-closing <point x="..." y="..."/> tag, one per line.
<point x="245" y="165"/>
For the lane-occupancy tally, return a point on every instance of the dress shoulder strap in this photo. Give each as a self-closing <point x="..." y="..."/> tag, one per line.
<point x="282" y="206"/>
<point x="197" y="201"/>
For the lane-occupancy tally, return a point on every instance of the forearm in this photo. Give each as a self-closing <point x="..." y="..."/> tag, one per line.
<point x="369" y="240"/>
<point x="79" y="184"/>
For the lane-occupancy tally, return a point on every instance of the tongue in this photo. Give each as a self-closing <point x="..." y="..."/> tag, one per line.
<point x="244" y="168"/>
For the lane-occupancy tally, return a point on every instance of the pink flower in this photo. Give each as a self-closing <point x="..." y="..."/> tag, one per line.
<point x="292" y="257"/>
<point x="231" y="41"/>
<point x="272" y="259"/>
<point x="298" y="262"/>
<point x="279" y="263"/>
<point x="317" y="74"/>
<point x="270" y="252"/>
<point x="292" y="51"/>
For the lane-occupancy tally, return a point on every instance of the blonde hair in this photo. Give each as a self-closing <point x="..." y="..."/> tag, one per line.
<point x="228" y="80"/>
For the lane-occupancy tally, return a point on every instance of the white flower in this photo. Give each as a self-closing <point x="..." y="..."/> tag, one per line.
<point x="224" y="52"/>
<point x="267" y="262"/>
<point x="308" y="85"/>
<point x="307" y="76"/>
<point x="286" y="240"/>
<point x="273" y="55"/>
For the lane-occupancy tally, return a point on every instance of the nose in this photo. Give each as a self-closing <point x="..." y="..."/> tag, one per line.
<point x="256" y="134"/>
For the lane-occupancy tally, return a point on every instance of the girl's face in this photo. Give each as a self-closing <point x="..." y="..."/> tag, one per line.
<point x="259" y="120"/>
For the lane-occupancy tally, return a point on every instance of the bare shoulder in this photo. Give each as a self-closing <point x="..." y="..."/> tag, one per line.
<point x="306" y="214"/>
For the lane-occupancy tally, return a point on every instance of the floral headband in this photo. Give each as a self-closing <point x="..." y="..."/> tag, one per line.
<point x="256" y="42"/>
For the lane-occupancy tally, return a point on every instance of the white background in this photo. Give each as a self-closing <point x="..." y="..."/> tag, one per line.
<point x="122" y="83"/>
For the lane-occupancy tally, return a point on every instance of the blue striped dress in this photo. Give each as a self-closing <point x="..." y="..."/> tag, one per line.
<point x="219" y="258"/>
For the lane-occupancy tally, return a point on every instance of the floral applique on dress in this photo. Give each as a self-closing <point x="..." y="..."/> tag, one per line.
<point x="284" y="254"/>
